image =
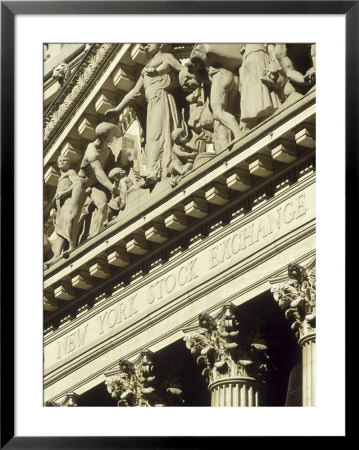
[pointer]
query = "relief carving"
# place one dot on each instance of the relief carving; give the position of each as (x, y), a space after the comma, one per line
(61, 73)
(183, 111)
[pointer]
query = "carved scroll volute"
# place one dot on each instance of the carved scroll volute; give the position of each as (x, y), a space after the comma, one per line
(221, 352)
(296, 296)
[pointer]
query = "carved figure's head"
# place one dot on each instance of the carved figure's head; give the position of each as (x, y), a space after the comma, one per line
(179, 136)
(61, 73)
(105, 130)
(116, 174)
(188, 81)
(152, 49)
(63, 162)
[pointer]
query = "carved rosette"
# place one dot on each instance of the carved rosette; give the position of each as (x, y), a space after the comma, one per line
(296, 296)
(221, 352)
(135, 384)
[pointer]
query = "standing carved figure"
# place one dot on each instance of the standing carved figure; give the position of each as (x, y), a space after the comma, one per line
(295, 83)
(258, 101)
(218, 65)
(66, 182)
(92, 179)
(158, 78)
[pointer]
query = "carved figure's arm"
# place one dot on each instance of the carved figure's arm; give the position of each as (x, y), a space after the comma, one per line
(72, 176)
(290, 72)
(169, 63)
(177, 150)
(128, 99)
(101, 175)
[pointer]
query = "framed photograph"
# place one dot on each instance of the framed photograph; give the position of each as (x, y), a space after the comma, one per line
(172, 209)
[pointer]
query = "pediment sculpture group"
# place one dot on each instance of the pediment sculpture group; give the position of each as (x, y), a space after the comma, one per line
(207, 102)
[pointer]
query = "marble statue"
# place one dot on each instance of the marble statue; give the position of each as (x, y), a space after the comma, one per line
(158, 78)
(259, 99)
(122, 183)
(61, 73)
(198, 116)
(182, 156)
(295, 84)
(92, 180)
(63, 203)
(219, 64)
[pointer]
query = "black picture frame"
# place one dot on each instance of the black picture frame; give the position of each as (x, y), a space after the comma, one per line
(9, 10)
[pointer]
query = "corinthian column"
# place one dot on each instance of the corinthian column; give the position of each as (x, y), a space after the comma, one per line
(233, 366)
(295, 295)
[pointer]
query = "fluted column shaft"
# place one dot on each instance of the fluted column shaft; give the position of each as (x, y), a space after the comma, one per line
(235, 391)
(308, 370)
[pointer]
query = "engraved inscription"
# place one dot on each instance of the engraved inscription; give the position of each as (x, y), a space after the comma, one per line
(72, 341)
(117, 314)
(257, 230)
(166, 285)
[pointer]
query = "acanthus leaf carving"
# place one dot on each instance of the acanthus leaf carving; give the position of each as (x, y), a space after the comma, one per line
(136, 384)
(296, 296)
(219, 350)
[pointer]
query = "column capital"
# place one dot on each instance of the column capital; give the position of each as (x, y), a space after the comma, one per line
(222, 352)
(137, 383)
(296, 296)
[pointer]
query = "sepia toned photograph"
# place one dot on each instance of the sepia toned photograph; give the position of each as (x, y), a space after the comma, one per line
(179, 224)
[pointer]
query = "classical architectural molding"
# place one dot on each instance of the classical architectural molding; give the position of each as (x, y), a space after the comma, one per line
(61, 107)
(71, 399)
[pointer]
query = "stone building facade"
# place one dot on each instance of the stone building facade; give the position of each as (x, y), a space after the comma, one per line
(179, 225)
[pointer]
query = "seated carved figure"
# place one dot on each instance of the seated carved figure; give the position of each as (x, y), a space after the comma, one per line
(182, 156)
(198, 116)
(118, 202)
(218, 65)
